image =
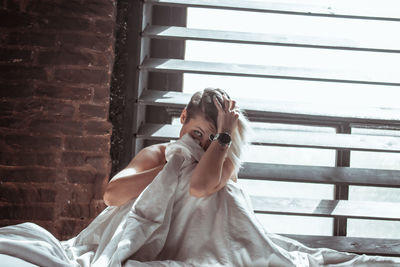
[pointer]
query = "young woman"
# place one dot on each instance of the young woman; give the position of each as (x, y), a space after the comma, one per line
(208, 113)
(177, 204)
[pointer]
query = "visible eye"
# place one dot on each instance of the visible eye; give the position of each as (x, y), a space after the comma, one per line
(197, 133)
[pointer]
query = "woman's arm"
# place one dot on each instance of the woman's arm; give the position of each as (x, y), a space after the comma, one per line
(131, 181)
(214, 168)
(212, 172)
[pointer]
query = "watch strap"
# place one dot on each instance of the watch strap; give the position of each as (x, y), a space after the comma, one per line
(224, 139)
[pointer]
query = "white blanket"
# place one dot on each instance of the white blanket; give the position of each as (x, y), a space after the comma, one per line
(165, 226)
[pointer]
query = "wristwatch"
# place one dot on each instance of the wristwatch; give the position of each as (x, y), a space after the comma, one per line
(224, 139)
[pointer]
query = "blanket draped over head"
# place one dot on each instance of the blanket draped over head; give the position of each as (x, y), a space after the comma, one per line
(166, 226)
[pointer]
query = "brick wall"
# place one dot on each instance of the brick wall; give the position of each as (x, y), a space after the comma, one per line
(56, 60)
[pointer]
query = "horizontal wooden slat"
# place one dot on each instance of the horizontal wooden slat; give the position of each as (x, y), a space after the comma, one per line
(330, 9)
(325, 175)
(326, 208)
(182, 33)
(371, 246)
(281, 72)
(328, 141)
(292, 139)
(266, 108)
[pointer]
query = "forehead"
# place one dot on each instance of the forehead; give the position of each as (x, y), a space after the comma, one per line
(200, 121)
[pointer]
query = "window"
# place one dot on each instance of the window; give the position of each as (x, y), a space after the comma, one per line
(320, 84)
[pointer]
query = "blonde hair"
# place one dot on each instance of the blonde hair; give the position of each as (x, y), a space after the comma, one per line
(240, 140)
(202, 103)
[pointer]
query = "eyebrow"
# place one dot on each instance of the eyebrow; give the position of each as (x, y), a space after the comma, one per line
(201, 130)
(212, 129)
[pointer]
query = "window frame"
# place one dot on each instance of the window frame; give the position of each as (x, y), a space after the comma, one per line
(142, 16)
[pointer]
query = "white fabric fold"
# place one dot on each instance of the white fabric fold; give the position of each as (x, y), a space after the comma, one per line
(166, 226)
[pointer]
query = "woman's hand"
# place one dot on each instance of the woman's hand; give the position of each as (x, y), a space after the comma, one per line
(227, 115)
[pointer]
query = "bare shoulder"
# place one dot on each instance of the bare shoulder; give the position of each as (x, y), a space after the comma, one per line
(158, 150)
(149, 157)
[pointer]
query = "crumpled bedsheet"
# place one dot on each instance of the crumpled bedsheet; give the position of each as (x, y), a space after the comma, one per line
(166, 226)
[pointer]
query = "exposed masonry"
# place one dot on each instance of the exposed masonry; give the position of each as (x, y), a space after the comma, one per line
(56, 59)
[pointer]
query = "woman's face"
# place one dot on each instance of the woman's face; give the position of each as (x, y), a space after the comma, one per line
(199, 128)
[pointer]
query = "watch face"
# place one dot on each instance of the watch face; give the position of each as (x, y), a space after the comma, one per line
(224, 138)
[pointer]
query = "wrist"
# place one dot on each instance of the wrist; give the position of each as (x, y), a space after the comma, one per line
(225, 130)
(223, 138)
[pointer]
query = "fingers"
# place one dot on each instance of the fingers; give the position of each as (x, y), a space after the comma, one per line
(232, 105)
(217, 104)
(228, 105)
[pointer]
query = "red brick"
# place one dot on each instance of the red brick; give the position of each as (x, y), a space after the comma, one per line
(81, 176)
(17, 159)
(73, 8)
(32, 143)
(74, 210)
(15, 56)
(96, 206)
(13, 5)
(31, 39)
(62, 23)
(88, 111)
(28, 174)
(59, 110)
(105, 26)
(28, 159)
(48, 8)
(15, 19)
(94, 42)
(26, 212)
(64, 92)
(82, 193)
(6, 107)
(98, 127)
(47, 108)
(99, 8)
(46, 159)
(56, 128)
(73, 159)
(9, 122)
(18, 73)
(99, 163)
(72, 57)
(99, 186)
(101, 95)
(82, 76)
(16, 90)
(93, 144)
(24, 193)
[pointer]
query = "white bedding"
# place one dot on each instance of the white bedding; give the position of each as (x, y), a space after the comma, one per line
(165, 226)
